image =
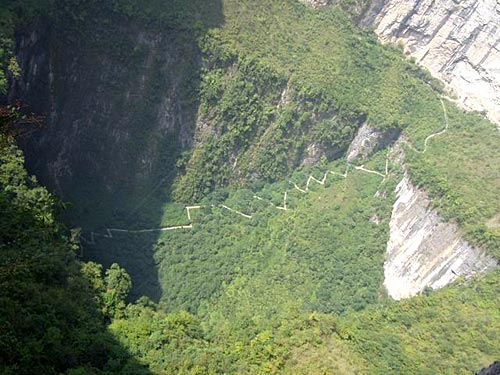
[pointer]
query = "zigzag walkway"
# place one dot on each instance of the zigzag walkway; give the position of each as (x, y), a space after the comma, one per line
(108, 232)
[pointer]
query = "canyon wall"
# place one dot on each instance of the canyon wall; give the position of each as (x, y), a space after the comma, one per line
(118, 104)
(457, 41)
(115, 122)
(423, 249)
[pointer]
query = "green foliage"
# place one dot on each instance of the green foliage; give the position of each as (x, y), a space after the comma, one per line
(295, 292)
(449, 331)
(8, 63)
(111, 290)
(169, 343)
(118, 284)
(326, 240)
(14, 13)
(49, 322)
(460, 172)
(237, 109)
(274, 86)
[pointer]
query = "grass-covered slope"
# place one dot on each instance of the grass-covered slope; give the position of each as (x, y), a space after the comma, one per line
(452, 331)
(332, 76)
(281, 78)
(460, 171)
(325, 240)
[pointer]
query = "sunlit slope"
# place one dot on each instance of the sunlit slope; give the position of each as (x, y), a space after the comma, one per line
(326, 248)
(461, 172)
(331, 69)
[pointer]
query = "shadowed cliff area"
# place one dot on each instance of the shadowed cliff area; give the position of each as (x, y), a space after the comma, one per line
(53, 309)
(117, 82)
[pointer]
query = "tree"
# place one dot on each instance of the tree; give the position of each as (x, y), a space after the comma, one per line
(118, 284)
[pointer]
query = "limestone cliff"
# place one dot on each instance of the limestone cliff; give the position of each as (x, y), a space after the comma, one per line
(458, 41)
(423, 250)
(368, 140)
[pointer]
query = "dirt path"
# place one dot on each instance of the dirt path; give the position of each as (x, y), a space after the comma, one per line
(108, 232)
(426, 141)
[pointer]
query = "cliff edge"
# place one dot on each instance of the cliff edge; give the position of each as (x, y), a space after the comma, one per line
(459, 42)
(423, 249)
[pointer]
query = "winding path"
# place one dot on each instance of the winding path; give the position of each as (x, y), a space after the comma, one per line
(108, 232)
(446, 122)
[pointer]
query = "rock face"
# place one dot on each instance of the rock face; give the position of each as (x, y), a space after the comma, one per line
(116, 122)
(117, 118)
(369, 140)
(424, 250)
(458, 41)
(317, 3)
(493, 369)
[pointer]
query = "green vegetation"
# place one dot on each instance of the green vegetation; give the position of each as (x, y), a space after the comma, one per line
(50, 322)
(275, 85)
(460, 171)
(326, 240)
(451, 331)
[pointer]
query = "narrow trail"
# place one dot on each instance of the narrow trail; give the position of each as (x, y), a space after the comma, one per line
(108, 232)
(344, 175)
(426, 141)
(362, 168)
(188, 210)
(284, 207)
(236, 211)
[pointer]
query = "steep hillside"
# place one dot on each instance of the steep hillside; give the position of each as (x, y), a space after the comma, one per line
(50, 318)
(119, 99)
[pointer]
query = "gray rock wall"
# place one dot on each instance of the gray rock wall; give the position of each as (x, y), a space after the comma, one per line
(369, 140)
(458, 41)
(423, 249)
(118, 113)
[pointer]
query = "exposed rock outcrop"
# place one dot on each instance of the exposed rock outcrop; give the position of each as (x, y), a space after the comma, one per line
(116, 121)
(312, 155)
(424, 250)
(369, 140)
(493, 369)
(458, 41)
(317, 3)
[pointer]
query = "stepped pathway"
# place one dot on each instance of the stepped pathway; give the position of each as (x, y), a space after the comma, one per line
(236, 211)
(284, 207)
(108, 232)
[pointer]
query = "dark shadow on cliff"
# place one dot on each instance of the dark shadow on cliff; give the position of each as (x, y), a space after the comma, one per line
(118, 85)
(50, 317)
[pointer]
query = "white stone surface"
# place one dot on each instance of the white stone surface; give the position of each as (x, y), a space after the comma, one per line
(458, 41)
(316, 3)
(423, 250)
